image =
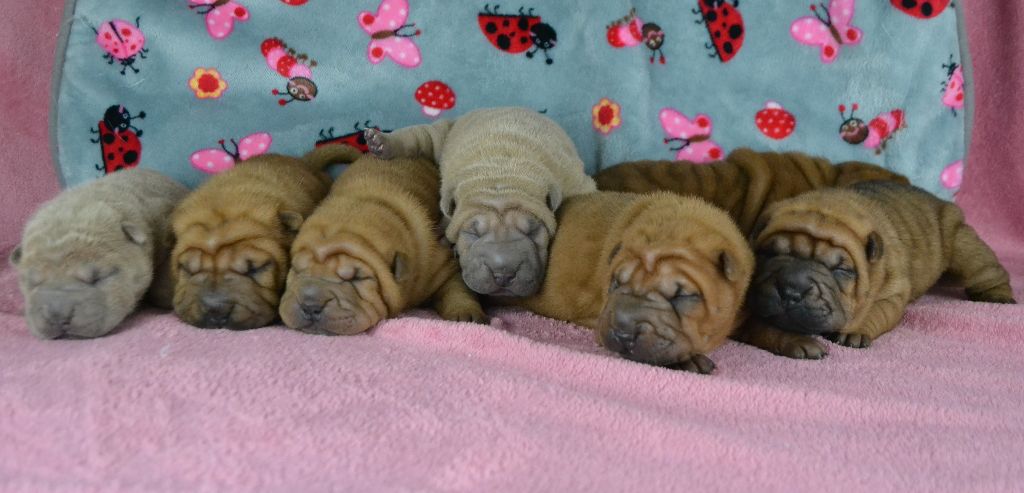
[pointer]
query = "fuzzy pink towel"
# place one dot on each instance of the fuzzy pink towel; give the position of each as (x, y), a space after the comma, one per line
(525, 405)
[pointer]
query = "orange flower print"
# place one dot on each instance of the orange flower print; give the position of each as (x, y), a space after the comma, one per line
(207, 83)
(606, 116)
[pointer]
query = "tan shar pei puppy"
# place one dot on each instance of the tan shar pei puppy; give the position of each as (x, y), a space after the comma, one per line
(234, 233)
(659, 277)
(744, 183)
(844, 263)
(374, 249)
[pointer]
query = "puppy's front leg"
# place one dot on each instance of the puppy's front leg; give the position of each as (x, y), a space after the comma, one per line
(882, 316)
(454, 301)
(760, 334)
(409, 142)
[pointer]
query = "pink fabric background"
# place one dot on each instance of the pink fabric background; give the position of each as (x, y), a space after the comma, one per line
(527, 404)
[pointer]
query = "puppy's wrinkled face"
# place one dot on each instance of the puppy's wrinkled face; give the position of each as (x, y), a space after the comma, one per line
(82, 289)
(803, 284)
(503, 251)
(235, 286)
(657, 304)
(336, 295)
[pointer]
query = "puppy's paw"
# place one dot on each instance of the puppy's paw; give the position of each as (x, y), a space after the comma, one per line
(1002, 296)
(377, 142)
(853, 340)
(467, 312)
(697, 364)
(799, 346)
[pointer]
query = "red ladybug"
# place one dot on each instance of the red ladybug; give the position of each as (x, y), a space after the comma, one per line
(516, 33)
(922, 9)
(354, 139)
(725, 26)
(120, 147)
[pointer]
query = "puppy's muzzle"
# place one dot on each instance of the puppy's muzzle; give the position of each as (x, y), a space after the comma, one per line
(799, 296)
(217, 309)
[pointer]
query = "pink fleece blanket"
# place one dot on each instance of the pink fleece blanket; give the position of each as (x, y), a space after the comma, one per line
(528, 403)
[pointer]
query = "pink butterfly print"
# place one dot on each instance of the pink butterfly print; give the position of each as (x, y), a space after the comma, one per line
(389, 34)
(829, 28)
(220, 15)
(695, 136)
(953, 94)
(122, 42)
(215, 161)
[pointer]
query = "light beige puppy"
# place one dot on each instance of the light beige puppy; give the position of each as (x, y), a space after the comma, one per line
(234, 233)
(504, 173)
(373, 249)
(88, 256)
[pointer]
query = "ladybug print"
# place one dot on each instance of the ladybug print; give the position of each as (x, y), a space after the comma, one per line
(953, 86)
(774, 121)
(725, 27)
(294, 3)
(876, 133)
(122, 42)
(922, 9)
(355, 139)
(631, 31)
(518, 33)
(120, 147)
(297, 68)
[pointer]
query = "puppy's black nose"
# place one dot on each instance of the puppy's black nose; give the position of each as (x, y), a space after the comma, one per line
(217, 309)
(626, 328)
(311, 310)
(504, 278)
(57, 315)
(794, 284)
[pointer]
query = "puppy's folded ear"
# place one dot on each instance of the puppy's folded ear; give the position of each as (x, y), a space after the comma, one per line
(874, 248)
(135, 233)
(759, 225)
(291, 221)
(15, 257)
(615, 251)
(399, 266)
(727, 266)
(554, 198)
(447, 203)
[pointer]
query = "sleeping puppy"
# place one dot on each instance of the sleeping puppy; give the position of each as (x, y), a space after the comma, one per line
(845, 263)
(88, 256)
(234, 233)
(373, 249)
(504, 172)
(744, 183)
(659, 277)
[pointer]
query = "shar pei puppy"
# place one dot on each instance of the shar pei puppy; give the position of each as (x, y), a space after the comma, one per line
(844, 263)
(660, 278)
(234, 233)
(372, 249)
(745, 182)
(504, 173)
(89, 256)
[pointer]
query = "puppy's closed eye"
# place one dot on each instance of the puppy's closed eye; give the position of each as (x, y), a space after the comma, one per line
(252, 269)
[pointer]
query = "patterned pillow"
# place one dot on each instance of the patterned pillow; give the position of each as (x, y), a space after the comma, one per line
(191, 86)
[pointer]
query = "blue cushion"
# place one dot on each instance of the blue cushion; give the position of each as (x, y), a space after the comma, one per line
(162, 83)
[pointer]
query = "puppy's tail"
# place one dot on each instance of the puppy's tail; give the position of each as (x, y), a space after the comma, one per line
(324, 156)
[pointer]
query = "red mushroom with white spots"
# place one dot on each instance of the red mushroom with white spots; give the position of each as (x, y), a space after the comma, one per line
(435, 96)
(774, 121)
